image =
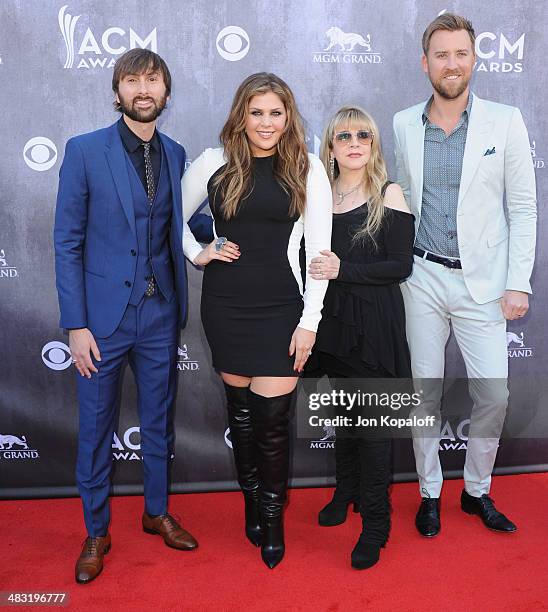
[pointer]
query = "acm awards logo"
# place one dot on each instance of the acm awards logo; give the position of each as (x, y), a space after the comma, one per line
(16, 447)
(6, 271)
(454, 439)
(515, 343)
(99, 50)
(346, 48)
(497, 53)
(127, 447)
(184, 363)
(538, 161)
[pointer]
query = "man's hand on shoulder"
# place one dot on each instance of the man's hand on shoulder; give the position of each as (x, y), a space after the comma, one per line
(82, 345)
(515, 304)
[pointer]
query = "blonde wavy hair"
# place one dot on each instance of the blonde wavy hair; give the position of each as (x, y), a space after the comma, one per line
(374, 172)
(292, 164)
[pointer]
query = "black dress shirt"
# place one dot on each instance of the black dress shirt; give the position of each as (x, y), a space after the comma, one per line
(133, 146)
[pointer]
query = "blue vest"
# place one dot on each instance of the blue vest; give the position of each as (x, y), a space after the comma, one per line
(152, 224)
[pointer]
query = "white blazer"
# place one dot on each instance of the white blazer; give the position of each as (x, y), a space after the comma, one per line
(497, 251)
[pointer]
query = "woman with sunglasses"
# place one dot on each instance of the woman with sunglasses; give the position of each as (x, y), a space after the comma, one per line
(362, 331)
(265, 192)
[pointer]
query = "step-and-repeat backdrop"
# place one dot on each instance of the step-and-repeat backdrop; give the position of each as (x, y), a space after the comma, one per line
(56, 63)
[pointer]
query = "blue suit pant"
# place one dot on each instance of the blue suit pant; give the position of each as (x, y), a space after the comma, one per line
(147, 337)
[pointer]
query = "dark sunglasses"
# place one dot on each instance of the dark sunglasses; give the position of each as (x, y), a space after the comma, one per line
(364, 137)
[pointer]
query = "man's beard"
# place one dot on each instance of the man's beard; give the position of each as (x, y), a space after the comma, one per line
(143, 115)
(448, 91)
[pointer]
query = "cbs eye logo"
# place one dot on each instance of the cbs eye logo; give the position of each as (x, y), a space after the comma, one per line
(228, 440)
(232, 43)
(56, 355)
(40, 153)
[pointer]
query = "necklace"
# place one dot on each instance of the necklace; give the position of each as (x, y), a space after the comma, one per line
(343, 194)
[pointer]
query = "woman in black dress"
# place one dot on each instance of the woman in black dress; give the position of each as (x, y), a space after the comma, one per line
(362, 331)
(265, 192)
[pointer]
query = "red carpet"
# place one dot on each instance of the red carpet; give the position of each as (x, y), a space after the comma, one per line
(466, 567)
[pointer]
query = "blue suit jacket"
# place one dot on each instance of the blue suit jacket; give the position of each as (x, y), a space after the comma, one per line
(94, 235)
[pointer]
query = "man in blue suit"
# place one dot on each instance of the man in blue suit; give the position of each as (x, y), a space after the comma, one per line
(121, 281)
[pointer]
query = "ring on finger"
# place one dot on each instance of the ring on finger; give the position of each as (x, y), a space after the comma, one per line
(220, 243)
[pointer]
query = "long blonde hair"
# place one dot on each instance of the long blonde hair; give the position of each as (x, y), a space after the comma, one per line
(374, 172)
(291, 167)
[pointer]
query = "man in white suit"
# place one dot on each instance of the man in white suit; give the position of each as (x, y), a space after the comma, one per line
(457, 157)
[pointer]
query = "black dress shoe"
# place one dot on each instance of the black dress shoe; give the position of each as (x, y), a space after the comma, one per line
(485, 508)
(427, 520)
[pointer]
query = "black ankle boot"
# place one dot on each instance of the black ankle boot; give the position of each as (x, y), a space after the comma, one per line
(334, 513)
(243, 446)
(270, 416)
(365, 554)
(347, 471)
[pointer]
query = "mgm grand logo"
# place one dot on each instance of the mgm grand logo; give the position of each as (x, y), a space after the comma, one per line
(516, 345)
(184, 363)
(14, 447)
(328, 441)
(346, 48)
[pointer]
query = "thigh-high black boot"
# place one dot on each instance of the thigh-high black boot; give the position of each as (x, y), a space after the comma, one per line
(243, 445)
(270, 417)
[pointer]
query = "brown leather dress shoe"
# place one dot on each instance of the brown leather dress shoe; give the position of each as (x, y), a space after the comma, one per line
(166, 526)
(90, 561)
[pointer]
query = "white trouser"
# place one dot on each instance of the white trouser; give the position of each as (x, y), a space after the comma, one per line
(435, 298)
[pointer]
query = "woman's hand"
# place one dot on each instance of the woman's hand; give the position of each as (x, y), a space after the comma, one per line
(326, 267)
(301, 345)
(223, 251)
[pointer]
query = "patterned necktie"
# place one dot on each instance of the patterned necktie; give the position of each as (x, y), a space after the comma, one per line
(149, 173)
(151, 284)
